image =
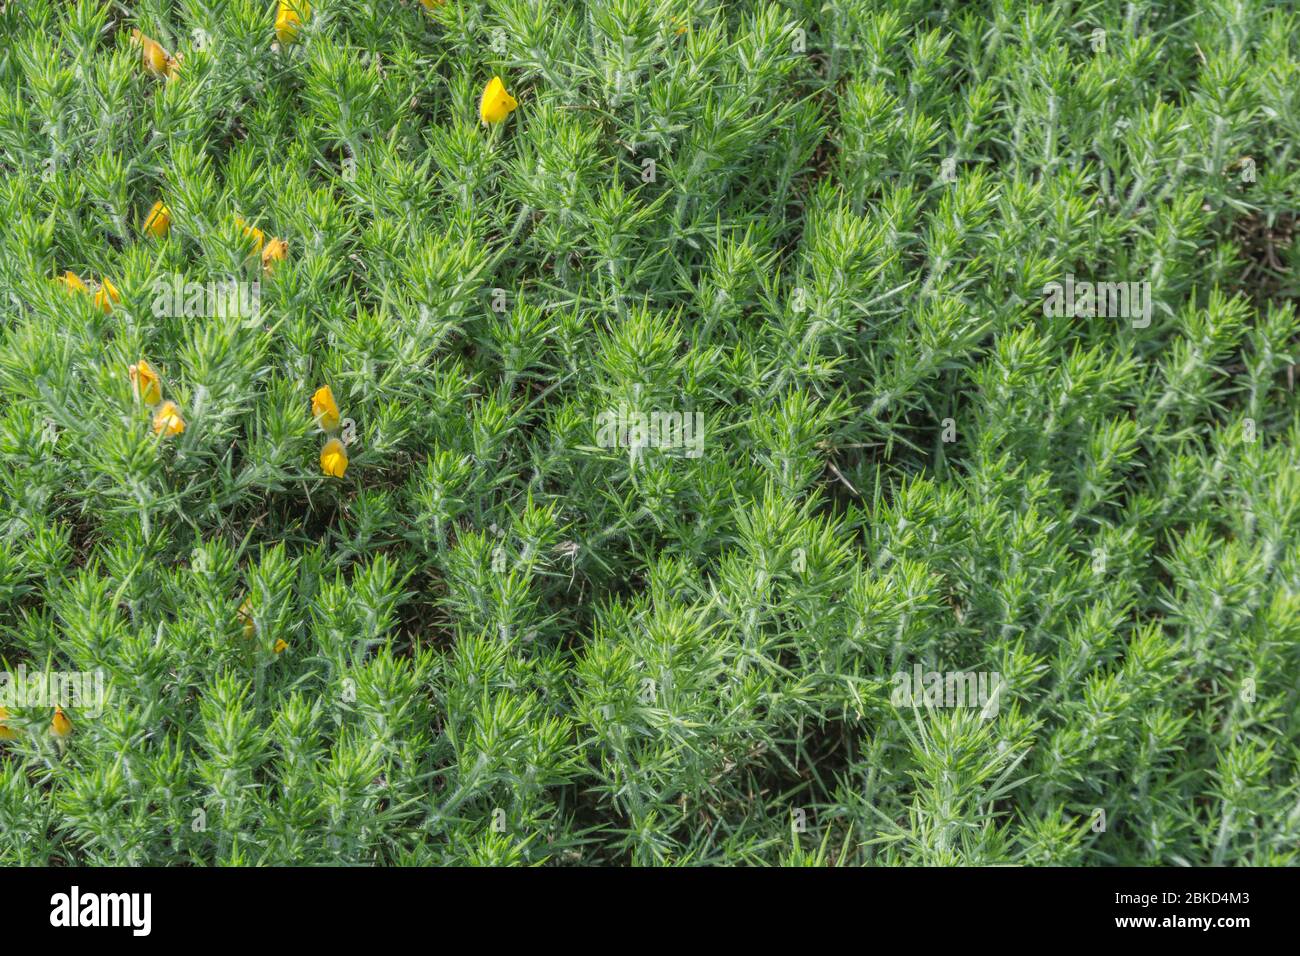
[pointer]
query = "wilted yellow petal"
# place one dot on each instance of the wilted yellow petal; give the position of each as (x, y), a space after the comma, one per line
(334, 458)
(167, 420)
(153, 57)
(496, 104)
(324, 409)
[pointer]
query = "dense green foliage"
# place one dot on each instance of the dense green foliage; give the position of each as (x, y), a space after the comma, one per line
(827, 229)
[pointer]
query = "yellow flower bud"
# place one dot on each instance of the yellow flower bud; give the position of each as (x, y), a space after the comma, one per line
(291, 15)
(60, 726)
(496, 103)
(106, 296)
(7, 732)
(167, 420)
(276, 250)
(280, 645)
(324, 409)
(159, 220)
(334, 458)
(145, 383)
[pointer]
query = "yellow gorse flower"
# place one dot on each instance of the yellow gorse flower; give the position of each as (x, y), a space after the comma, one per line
(252, 232)
(325, 412)
(145, 383)
(324, 409)
(334, 458)
(60, 726)
(275, 251)
(167, 420)
(272, 250)
(496, 104)
(280, 645)
(289, 18)
(73, 282)
(159, 220)
(154, 58)
(7, 732)
(430, 4)
(106, 296)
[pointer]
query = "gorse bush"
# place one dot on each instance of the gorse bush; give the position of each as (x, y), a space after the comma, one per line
(594, 485)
